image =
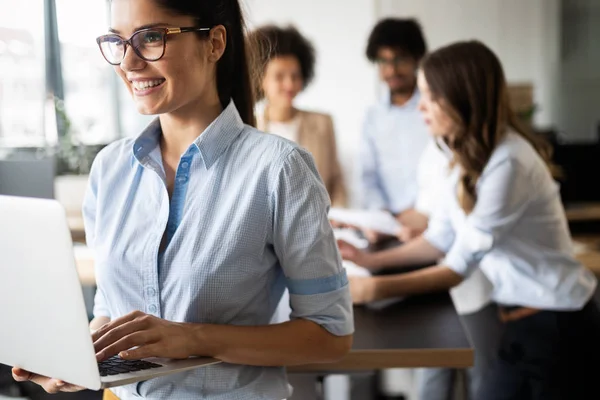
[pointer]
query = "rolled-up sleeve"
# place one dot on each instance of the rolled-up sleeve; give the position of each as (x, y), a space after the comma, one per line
(305, 246)
(503, 196)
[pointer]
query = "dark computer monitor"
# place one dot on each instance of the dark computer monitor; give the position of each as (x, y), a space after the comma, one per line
(29, 178)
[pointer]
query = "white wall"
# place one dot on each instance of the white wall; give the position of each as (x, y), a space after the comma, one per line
(524, 34)
(345, 83)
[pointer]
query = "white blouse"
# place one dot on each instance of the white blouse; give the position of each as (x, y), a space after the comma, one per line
(517, 233)
(288, 130)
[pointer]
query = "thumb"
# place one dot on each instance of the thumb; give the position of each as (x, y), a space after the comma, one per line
(20, 375)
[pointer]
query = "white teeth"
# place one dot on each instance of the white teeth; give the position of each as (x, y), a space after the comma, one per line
(142, 85)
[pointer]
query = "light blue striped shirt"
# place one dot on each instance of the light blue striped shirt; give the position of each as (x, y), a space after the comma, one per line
(247, 218)
(393, 139)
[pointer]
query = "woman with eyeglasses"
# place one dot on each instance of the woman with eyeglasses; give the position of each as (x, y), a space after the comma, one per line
(287, 61)
(200, 223)
(501, 213)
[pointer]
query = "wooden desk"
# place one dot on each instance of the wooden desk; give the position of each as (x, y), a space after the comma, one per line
(422, 331)
(85, 269)
(587, 251)
(582, 212)
(75, 222)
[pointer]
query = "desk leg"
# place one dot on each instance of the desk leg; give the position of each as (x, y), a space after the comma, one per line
(306, 386)
(320, 387)
(336, 387)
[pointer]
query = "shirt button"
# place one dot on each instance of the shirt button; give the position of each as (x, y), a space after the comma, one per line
(184, 165)
(151, 292)
(152, 308)
(182, 179)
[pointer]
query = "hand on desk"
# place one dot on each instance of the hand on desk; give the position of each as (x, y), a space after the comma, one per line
(357, 256)
(50, 385)
(406, 234)
(369, 234)
(362, 289)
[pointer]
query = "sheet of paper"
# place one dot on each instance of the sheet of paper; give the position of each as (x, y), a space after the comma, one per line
(377, 220)
(352, 237)
(355, 270)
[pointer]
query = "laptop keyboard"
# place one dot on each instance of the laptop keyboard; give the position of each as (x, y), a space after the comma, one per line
(116, 365)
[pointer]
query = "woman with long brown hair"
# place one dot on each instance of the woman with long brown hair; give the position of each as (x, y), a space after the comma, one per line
(503, 214)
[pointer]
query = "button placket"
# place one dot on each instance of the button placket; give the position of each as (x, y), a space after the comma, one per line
(151, 284)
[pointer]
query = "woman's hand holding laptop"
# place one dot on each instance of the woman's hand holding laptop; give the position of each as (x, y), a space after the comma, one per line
(50, 385)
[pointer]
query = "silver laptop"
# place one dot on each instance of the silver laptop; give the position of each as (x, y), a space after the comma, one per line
(44, 325)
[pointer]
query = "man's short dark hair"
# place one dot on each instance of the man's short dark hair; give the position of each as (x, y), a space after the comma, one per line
(272, 41)
(403, 34)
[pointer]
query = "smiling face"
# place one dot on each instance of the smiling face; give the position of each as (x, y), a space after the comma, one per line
(282, 80)
(183, 77)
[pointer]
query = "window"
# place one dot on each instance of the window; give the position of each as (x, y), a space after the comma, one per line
(22, 80)
(90, 84)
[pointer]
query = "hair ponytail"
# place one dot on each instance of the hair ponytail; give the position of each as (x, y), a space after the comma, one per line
(235, 68)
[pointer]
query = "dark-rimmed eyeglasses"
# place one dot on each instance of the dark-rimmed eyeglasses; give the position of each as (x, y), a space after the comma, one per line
(396, 62)
(149, 44)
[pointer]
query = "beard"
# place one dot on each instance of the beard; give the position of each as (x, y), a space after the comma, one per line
(399, 84)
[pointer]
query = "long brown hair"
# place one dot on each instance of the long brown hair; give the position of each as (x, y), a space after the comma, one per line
(468, 80)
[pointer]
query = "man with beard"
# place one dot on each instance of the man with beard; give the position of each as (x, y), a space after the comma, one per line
(394, 134)
(394, 138)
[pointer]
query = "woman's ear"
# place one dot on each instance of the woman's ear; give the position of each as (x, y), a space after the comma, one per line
(217, 42)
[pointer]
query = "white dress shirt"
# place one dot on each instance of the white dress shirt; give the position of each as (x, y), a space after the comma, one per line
(475, 292)
(517, 233)
(431, 174)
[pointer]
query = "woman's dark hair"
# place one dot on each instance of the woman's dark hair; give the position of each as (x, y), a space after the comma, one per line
(272, 41)
(467, 80)
(403, 34)
(234, 67)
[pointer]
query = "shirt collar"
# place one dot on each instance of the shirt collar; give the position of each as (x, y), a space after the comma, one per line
(219, 134)
(211, 143)
(411, 104)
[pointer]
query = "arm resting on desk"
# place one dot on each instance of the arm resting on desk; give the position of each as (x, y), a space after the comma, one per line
(427, 280)
(416, 252)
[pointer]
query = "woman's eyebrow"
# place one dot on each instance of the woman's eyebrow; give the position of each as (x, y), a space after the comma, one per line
(146, 26)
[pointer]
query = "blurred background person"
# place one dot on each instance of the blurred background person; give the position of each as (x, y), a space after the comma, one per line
(287, 63)
(394, 134)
